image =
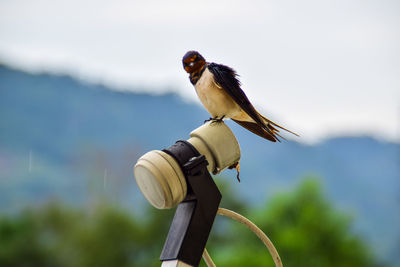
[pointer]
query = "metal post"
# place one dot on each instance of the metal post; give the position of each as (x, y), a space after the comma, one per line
(195, 216)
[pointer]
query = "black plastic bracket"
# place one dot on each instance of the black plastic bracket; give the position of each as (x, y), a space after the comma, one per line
(194, 217)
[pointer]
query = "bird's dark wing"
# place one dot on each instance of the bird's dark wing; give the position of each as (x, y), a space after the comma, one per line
(226, 77)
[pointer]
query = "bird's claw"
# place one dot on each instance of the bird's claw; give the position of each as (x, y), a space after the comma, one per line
(210, 119)
(215, 119)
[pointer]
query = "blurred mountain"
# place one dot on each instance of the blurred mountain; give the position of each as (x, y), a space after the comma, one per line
(61, 138)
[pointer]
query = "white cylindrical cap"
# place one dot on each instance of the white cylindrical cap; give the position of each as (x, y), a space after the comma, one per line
(160, 177)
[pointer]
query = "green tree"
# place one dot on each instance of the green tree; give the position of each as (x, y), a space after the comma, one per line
(19, 243)
(305, 229)
(58, 236)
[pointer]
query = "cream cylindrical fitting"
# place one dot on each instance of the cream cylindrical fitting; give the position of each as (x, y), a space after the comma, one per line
(218, 144)
(160, 177)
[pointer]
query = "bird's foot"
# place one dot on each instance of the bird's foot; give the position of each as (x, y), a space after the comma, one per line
(210, 119)
(215, 119)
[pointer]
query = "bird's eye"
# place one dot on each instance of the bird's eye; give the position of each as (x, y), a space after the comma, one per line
(191, 64)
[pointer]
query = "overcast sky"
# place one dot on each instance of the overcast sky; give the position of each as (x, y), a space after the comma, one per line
(321, 68)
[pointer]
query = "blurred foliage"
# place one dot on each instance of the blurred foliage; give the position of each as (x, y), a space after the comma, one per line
(58, 236)
(304, 227)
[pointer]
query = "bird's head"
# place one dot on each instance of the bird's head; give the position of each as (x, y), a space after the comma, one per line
(192, 61)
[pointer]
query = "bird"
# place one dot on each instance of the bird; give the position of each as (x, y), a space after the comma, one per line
(220, 92)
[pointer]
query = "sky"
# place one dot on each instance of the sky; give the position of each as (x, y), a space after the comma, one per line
(321, 68)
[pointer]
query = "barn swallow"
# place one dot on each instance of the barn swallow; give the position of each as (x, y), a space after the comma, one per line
(219, 91)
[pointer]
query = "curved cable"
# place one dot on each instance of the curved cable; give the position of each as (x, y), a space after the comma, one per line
(249, 224)
(207, 259)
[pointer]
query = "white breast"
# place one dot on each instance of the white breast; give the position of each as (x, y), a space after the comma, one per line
(214, 98)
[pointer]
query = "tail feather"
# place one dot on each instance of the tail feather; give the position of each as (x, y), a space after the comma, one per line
(271, 124)
(267, 133)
